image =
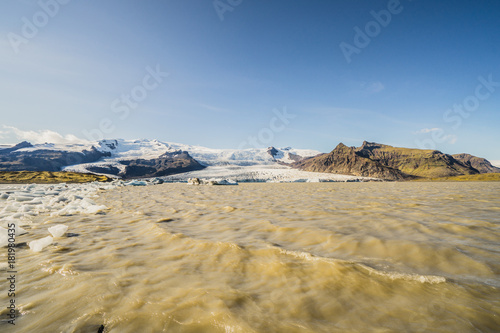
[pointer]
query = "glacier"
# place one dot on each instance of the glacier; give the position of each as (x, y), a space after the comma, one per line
(241, 165)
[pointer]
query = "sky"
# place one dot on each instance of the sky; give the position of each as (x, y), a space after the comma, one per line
(253, 73)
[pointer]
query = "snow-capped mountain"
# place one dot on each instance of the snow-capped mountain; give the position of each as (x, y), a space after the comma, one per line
(126, 150)
(144, 157)
(148, 149)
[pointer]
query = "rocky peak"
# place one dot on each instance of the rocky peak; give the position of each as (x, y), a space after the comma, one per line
(480, 164)
(24, 144)
(345, 160)
(272, 151)
(111, 144)
(342, 150)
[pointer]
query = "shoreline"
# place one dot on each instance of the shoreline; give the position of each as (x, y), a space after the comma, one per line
(49, 177)
(57, 177)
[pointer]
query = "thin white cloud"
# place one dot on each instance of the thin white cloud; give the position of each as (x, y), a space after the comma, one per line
(428, 130)
(450, 138)
(42, 136)
(214, 108)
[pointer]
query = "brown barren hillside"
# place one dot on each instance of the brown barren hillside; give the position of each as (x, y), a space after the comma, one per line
(344, 160)
(416, 162)
(480, 164)
(395, 163)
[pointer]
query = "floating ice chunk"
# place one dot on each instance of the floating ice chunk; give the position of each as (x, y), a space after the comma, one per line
(4, 196)
(194, 181)
(58, 230)
(4, 238)
(136, 183)
(52, 193)
(156, 181)
(39, 192)
(95, 209)
(58, 199)
(86, 202)
(226, 182)
(11, 208)
(79, 207)
(20, 231)
(213, 181)
(8, 224)
(23, 198)
(73, 197)
(39, 245)
(35, 201)
(24, 209)
(66, 211)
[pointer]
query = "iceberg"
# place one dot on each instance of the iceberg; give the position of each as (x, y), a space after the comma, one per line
(39, 245)
(213, 181)
(4, 238)
(58, 230)
(136, 183)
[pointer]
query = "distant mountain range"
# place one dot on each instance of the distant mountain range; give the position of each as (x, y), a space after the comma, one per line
(394, 163)
(153, 158)
(27, 157)
(138, 158)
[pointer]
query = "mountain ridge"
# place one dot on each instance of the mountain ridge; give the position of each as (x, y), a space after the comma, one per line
(410, 163)
(345, 160)
(139, 158)
(154, 158)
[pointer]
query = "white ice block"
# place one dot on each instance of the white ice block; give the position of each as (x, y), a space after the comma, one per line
(40, 244)
(58, 230)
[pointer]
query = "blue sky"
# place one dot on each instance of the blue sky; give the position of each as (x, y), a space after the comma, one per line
(427, 77)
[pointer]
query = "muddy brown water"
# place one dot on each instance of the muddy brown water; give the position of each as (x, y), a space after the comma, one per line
(300, 257)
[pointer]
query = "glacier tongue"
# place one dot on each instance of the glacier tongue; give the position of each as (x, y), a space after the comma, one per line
(126, 150)
(261, 173)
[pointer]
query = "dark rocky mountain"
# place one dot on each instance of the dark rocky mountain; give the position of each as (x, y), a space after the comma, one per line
(166, 164)
(12, 159)
(24, 144)
(480, 164)
(416, 162)
(272, 151)
(344, 160)
(15, 159)
(394, 163)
